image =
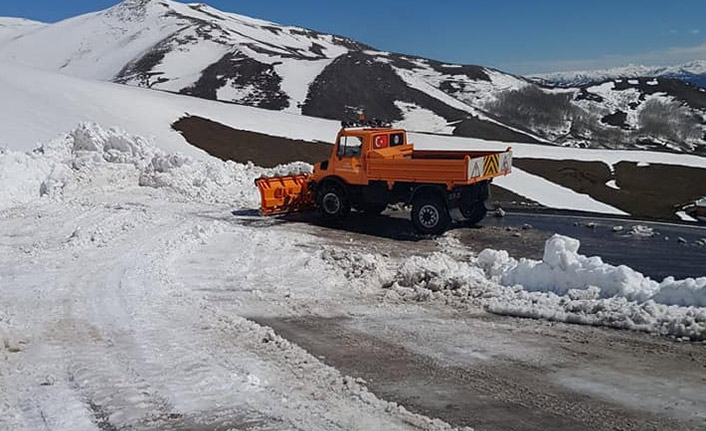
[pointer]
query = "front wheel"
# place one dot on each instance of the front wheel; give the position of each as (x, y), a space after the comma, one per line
(333, 203)
(430, 216)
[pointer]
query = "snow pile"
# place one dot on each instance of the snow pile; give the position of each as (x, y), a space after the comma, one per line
(213, 180)
(565, 286)
(21, 176)
(353, 265)
(584, 307)
(98, 157)
(438, 276)
(438, 272)
(563, 269)
(685, 293)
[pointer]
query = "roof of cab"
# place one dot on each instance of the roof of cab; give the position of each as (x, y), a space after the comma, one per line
(372, 130)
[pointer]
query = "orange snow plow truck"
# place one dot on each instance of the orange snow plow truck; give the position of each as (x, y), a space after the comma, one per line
(371, 167)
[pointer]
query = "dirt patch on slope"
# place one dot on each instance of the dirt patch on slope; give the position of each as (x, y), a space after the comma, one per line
(242, 146)
(644, 191)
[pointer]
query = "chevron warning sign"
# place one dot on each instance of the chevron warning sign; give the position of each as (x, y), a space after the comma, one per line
(475, 168)
(491, 164)
(506, 162)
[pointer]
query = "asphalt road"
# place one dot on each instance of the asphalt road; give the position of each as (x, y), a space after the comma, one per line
(496, 373)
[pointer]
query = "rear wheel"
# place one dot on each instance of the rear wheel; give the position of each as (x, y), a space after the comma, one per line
(473, 202)
(333, 203)
(430, 216)
(476, 214)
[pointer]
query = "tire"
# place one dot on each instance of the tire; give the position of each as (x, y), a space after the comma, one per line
(371, 209)
(473, 203)
(333, 202)
(477, 214)
(430, 216)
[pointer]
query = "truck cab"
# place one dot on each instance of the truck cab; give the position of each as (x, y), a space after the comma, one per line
(348, 159)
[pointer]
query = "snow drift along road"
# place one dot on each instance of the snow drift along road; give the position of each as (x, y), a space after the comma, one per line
(55, 166)
(565, 286)
(563, 270)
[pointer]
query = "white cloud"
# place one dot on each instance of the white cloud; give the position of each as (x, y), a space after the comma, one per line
(666, 57)
(695, 31)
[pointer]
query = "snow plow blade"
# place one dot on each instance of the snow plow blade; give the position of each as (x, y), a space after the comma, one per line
(282, 195)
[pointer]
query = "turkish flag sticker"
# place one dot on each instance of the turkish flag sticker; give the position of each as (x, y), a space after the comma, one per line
(381, 141)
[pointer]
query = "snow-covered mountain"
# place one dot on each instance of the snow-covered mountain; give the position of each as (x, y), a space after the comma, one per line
(193, 49)
(11, 28)
(197, 50)
(693, 73)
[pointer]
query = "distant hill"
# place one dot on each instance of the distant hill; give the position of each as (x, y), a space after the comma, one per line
(693, 73)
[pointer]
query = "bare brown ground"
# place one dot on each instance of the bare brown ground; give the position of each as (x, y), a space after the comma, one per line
(242, 146)
(649, 192)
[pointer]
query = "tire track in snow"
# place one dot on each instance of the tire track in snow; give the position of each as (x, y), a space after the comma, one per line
(111, 386)
(126, 387)
(131, 345)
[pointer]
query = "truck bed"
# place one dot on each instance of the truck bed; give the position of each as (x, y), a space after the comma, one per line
(452, 168)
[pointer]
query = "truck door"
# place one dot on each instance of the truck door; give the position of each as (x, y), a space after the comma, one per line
(349, 165)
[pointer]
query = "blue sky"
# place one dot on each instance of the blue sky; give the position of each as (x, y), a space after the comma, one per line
(522, 36)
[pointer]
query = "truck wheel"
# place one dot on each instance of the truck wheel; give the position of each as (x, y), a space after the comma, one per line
(333, 202)
(472, 202)
(476, 214)
(430, 215)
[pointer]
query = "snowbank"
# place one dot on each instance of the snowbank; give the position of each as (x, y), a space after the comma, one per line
(578, 307)
(21, 176)
(686, 293)
(565, 286)
(563, 269)
(94, 156)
